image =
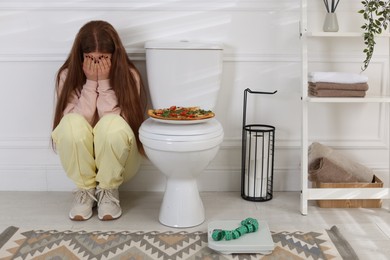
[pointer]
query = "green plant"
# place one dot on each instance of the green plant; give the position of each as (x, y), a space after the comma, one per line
(376, 14)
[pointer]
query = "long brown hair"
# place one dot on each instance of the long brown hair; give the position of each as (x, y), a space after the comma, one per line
(100, 36)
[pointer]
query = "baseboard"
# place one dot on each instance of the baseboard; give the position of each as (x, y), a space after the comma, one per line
(216, 178)
(53, 178)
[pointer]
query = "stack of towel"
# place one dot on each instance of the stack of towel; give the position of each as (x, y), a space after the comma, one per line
(337, 84)
(329, 166)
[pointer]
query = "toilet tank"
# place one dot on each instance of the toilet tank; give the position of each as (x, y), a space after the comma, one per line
(184, 73)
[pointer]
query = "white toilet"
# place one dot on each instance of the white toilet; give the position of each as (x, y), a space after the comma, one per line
(182, 74)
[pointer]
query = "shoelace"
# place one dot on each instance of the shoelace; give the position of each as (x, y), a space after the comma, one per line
(106, 196)
(82, 195)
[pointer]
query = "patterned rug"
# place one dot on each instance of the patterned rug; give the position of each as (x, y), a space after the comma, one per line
(55, 245)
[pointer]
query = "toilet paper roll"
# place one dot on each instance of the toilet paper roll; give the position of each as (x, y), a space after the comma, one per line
(259, 145)
(254, 147)
(255, 187)
(255, 182)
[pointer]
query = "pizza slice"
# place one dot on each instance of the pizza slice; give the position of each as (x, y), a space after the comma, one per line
(180, 113)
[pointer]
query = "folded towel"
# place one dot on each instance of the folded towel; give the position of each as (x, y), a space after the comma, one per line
(339, 86)
(324, 170)
(360, 172)
(336, 93)
(337, 77)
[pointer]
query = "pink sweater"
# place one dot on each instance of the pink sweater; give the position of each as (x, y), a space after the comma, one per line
(95, 95)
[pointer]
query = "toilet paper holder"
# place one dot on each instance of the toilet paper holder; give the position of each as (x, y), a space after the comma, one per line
(257, 162)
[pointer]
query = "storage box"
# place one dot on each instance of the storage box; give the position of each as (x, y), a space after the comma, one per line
(360, 203)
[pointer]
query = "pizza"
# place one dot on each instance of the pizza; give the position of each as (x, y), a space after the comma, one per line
(180, 113)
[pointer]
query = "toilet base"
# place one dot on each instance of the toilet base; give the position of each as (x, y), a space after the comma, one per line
(182, 206)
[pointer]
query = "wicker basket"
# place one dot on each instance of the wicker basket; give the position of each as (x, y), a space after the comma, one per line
(357, 203)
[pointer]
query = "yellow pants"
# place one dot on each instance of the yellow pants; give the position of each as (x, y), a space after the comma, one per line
(105, 155)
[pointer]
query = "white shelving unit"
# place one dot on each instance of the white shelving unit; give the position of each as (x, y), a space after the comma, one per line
(328, 193)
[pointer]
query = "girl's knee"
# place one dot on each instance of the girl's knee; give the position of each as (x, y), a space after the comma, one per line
(72, 127)
(117, 137)
(112, 126)
(74, 120)
(114, 131)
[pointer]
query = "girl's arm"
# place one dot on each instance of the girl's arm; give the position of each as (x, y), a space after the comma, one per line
(83, 103)
(107, 102)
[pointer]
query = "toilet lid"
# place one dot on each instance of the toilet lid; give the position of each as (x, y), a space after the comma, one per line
(152, 129)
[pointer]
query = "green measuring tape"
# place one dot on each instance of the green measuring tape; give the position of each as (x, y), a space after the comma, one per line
(248, 225)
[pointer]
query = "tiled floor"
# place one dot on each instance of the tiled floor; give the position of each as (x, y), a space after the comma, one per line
(367, 230)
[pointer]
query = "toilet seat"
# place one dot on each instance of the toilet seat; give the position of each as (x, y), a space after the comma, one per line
(172, 137)
(181, 133)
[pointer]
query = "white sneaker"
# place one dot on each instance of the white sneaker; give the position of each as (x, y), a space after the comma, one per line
(83, 203)
(108, 204)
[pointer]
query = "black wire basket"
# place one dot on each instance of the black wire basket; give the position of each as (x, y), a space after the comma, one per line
(257, 163)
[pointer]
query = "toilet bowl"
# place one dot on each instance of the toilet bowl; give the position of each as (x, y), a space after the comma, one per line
(181, 153)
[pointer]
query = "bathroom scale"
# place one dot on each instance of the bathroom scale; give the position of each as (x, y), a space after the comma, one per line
(259, 242)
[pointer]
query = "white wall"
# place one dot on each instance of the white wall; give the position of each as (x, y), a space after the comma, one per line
(262, 52)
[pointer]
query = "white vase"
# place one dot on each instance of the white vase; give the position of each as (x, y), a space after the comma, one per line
(330, 23)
